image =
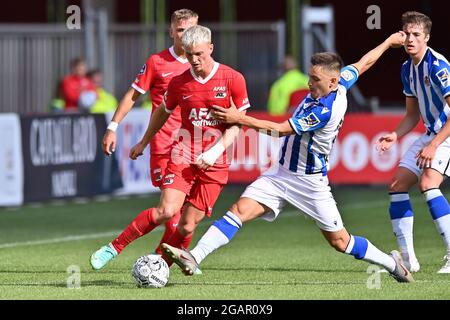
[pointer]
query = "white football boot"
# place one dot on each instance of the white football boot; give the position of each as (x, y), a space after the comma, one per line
(446, 267)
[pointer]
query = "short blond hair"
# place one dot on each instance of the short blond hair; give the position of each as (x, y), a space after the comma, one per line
(183, 14)
(196, 35)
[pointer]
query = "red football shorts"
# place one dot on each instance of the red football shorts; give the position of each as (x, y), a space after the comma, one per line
(158, 167)
(202, 188)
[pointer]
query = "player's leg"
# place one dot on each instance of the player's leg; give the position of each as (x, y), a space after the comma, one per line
(220, 233)
(312, 195)
(363, 249)
(401, 214)
(260, 197)
(400, 209)
(158, 168)
(170, 203)
(439, 209)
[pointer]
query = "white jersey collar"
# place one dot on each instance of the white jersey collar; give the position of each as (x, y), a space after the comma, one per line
(416, 65)
(210, 75)
(177, 57)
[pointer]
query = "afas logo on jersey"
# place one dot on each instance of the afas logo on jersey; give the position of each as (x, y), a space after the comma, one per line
(443, 77)
(221, 92)
(142, 71)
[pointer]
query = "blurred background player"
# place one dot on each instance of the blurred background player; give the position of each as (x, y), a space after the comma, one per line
(105, 101)
(280, 91)
(426, 85)
(198, 167)
(155, 76)
(301, 177)
(75, 84)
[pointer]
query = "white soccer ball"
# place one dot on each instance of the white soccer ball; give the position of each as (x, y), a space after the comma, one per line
(151, 271)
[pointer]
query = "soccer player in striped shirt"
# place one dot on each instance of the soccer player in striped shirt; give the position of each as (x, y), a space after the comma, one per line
(426, 85)
(301, 176)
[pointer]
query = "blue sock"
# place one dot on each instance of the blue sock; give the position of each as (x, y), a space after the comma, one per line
(229, 224)
(357, 247)
(362, 249)
(219, 234)
(402, 219)
(440, 211)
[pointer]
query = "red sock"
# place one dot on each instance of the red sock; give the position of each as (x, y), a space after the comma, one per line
(171, 226)
(178, 240)
(142, 224)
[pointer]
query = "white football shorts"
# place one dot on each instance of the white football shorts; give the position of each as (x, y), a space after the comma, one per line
(311, 194)
(440, 162)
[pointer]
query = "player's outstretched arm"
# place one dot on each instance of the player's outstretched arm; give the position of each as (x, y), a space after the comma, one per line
(125, 105)
(395, 40)
(157, 120)
(233, 116)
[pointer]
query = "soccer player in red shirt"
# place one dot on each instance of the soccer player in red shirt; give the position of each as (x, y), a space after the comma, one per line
(198, 167)
(155, 76)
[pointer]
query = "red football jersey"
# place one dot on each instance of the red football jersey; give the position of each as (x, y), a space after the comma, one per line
(155, 76)
(195, 96)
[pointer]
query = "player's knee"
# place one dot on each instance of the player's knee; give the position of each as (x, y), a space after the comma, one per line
(164, 213)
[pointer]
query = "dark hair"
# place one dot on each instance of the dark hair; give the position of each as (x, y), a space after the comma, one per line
(93, 72)
(183, 14)
(417, 18)
(328, 60)
(76, 61)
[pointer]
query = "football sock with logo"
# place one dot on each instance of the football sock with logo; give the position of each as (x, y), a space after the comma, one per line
(402, 219)
(440, 211)
(170, 227)
(141, 225)
(219, 234)
(362, 249)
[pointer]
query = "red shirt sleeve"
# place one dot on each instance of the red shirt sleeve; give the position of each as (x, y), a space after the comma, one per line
(146, 77)
(171, 97)
(239, 92)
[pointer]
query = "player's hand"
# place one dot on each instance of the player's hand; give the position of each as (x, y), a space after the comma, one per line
(227, 115)
(202, 163)
(397, 40)
(425, 156)
(385, 142)
(109, 142)
(209, 157)
(137, 150)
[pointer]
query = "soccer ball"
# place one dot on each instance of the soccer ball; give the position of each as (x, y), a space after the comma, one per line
(151, 271)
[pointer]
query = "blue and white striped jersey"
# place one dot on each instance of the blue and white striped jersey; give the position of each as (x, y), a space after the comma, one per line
(429, 82)
(316, 123)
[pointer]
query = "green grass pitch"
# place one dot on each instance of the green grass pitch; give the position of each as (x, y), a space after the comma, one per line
(286, 259)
